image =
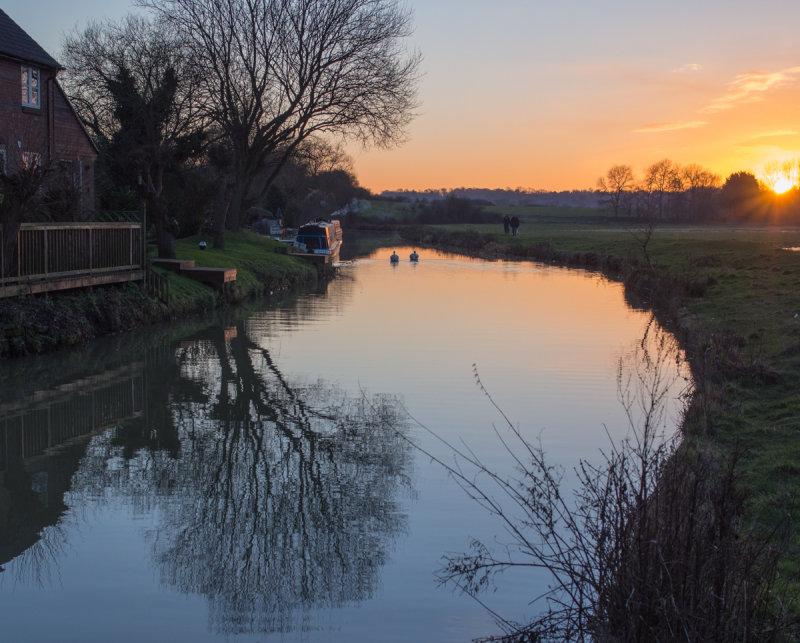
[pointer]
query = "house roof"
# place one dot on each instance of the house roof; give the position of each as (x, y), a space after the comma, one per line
(78, 119)
(15, 43)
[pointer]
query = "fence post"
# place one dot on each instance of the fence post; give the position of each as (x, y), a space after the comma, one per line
(144, 233)
(46, 262)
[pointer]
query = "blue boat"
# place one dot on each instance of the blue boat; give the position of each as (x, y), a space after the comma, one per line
(319, 240)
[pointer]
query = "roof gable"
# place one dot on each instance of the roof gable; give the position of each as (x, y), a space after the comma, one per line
(77, 118)
(15, 43)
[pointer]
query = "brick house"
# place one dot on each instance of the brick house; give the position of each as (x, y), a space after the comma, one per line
(37, 121)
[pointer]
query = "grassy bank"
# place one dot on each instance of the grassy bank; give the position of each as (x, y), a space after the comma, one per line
(730, 294)
(43, 323)
(262, 267)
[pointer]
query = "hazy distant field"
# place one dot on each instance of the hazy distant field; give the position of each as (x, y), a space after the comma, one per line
(385, 209)
(548, 213)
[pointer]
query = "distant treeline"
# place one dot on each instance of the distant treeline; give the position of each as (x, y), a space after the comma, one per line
(450, 209)
(667, 193)
(503, 197)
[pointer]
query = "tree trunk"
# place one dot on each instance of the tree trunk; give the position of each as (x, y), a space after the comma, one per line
(11, 220)
(220, 216)
(233, 221)
(166, 245)
(165, 229)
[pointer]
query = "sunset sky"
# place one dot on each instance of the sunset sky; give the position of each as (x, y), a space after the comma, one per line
(547, 95)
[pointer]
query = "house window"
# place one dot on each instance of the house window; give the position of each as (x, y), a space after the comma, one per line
(31, 96)
(31, 160)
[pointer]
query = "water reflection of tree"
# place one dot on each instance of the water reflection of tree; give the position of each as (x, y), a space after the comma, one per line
(281, 498)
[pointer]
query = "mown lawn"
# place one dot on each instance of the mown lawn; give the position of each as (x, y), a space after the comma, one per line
(261, 265)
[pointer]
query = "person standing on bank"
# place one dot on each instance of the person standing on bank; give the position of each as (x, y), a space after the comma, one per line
(515, 225)
(506, 224)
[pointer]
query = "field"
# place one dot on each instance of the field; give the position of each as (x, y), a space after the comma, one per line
(732, 295)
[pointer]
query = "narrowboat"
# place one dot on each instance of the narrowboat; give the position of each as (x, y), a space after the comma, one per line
(318, 240)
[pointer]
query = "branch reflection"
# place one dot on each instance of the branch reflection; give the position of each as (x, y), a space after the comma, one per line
(273, 498)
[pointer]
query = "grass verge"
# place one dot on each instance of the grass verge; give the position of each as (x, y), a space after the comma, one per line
(42, 323)
(732, 297)
(262, 267)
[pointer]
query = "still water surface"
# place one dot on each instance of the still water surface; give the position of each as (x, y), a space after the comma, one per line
(251, 479)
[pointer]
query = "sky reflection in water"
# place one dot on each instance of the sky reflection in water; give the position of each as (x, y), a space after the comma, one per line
(250, 478)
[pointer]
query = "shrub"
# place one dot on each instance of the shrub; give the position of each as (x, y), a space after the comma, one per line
(651, 546)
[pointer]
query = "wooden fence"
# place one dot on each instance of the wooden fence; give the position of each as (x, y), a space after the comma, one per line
(156, 285)
(57, 256)
(49, 418)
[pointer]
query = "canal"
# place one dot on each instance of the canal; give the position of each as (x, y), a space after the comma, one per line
(256, 475)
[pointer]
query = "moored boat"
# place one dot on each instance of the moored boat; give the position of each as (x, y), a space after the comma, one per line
(319, 240)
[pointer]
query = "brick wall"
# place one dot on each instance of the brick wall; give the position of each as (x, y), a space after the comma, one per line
(52, 130)
(70, 142)
(21, 129)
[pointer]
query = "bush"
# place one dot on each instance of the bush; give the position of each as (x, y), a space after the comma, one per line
(454, 210)
(651, 546)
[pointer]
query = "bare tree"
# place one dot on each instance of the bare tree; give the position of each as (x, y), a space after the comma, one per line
(773, 171)
(651, 546)
(319, 155)
(661, 179)
(275, 72)
(644, 235)
(699, 185)
(617, 181)
(21, 191)
(134, 88)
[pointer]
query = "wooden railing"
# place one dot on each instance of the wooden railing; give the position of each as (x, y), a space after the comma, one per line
(56, 256)
(156, 285)
(49, 418)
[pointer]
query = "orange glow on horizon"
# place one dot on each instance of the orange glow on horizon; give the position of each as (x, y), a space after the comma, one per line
(542, 145)
(421, 167)
(780, 177)
(783, 184)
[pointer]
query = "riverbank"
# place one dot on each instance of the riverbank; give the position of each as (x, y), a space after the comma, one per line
(43, 323)
(732, 297)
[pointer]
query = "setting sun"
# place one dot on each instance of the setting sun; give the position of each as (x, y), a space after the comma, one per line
(782, 185)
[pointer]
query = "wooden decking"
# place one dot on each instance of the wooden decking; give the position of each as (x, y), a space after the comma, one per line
(216, 277)
(176, 265)
(52, 284)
